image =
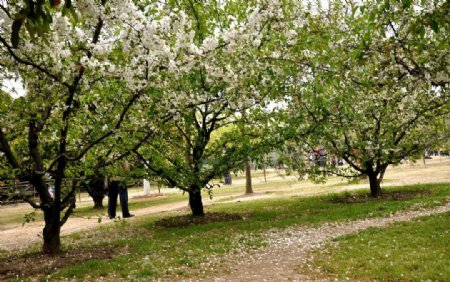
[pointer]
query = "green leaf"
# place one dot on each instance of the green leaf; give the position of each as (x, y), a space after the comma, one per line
(421, 31)
(434, 25)
(30, 29)
(21, 16)
(354, 10)
(372, 16)
(406, 4)
(74, 15)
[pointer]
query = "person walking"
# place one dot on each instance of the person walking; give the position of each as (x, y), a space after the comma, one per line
(118, 188)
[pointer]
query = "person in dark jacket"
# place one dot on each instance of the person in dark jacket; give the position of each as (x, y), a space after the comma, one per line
(118, 187)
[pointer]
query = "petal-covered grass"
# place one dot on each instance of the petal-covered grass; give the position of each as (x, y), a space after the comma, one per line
(408, 251)
(149, 250)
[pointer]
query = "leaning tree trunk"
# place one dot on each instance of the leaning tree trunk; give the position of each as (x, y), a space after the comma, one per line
(375, 188)
(195, 201)
(248, 178)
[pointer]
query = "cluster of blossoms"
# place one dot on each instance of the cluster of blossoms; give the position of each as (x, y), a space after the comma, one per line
(159, 47)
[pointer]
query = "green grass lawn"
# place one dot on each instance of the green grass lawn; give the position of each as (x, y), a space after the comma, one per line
(168, 198)
(411, 251)
(155, 252)
(18, 218)
(133, 204)
(140, 249)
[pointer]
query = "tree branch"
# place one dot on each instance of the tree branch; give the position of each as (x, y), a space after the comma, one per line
(6, 149)
(32, 64)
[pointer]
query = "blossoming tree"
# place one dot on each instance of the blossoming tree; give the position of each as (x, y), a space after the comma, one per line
(82, 80)
(372, 96)
(205, 139)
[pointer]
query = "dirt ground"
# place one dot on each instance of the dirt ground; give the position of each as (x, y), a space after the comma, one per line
(15, 236)
(283, 257)
(288, 250)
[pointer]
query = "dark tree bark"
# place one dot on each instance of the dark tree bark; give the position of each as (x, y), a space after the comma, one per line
(50, 207)
(248, 178)
(53, 208)
(375, 187)
(51, 232)
(195, 202)
(227, 178)
(375, 178)
(98, 202)
(52, 227)
(96, 189)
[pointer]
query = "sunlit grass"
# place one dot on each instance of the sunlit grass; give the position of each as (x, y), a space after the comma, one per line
(133, 204)
(409, 251)
(151, 252)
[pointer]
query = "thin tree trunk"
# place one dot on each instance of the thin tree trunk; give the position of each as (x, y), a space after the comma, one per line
(375, 188)
(195, 202)
(248, 178)
(264, 171)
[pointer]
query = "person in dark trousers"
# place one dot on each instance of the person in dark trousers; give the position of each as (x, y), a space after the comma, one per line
(118, 188)
(227, 178)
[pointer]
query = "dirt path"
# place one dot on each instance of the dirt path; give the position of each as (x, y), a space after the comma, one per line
(30, 233)
(288, 249)
(14, 236)
(20, 237)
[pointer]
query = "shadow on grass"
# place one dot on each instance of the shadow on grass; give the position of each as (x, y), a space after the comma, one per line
(33, 264)
(189, 220)
(350, 198)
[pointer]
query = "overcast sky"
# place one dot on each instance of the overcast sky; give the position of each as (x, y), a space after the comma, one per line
(13, 87)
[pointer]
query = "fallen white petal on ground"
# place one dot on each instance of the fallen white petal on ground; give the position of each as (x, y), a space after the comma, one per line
(287, 250)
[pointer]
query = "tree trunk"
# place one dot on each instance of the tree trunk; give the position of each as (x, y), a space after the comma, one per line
(52, 227)
(264, 172)
(227, 178)
(375, 188)
(248, 178)
(98, 201)
(195, 202)
(51, 232)
(96, 189)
